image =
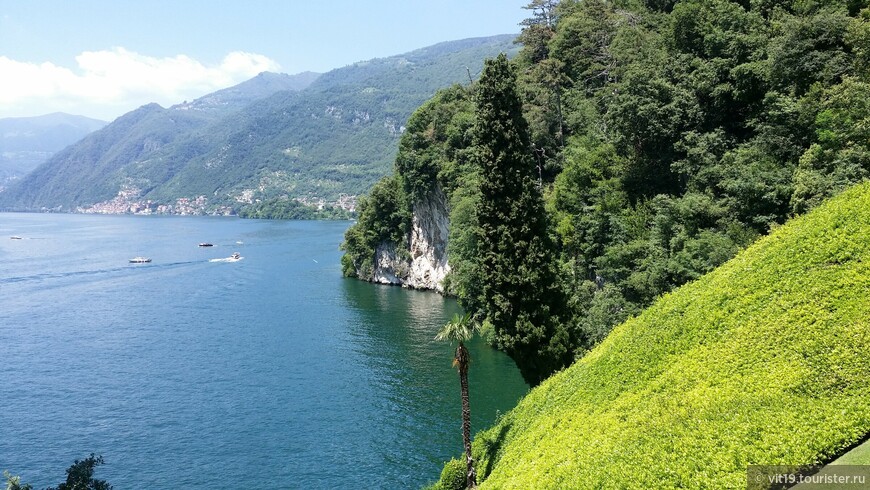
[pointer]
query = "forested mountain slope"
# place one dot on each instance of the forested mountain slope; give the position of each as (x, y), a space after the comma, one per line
(763, 361)
(115, 158)
(664, 137)
(25, 142)
(336, 136)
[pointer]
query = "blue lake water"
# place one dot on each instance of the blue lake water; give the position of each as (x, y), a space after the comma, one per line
(270, 372)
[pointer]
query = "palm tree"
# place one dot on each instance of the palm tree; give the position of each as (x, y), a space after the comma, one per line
(460, 329)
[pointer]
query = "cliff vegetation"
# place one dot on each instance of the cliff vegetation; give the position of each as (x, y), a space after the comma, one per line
(663, 137)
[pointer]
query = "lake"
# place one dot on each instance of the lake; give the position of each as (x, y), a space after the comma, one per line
(270, 372)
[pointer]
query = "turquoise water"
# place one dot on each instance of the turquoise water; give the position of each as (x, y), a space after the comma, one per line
(269, 372)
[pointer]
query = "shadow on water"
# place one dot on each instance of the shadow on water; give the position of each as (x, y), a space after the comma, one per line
(396, 329)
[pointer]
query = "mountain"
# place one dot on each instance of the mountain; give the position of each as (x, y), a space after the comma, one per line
(762, 361)
(238, 96)
(85, 173)
(26, 142)
(335, 137)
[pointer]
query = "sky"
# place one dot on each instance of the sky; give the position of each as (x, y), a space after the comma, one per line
(103, 58)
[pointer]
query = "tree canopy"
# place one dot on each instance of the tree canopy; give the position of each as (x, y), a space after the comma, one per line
(664, 137)
(520, 296)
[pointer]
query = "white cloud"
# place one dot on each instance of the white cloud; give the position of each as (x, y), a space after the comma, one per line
(108, 83)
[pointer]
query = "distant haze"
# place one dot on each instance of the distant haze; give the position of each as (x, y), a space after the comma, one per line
(26, 142)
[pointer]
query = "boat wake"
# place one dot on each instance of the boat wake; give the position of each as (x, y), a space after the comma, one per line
(235, 257)
(227, 259)
(91, 272)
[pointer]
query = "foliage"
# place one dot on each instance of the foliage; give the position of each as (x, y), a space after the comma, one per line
(665, 136)
(710, 125)
(460, 330)
(520, 295)
(462, 241)
(79, 476)
(452, 476)
(841, 154)
(384, 217)
(289, 209)
(14, 482)
(435, 142)
(432, 158)
(762, 361)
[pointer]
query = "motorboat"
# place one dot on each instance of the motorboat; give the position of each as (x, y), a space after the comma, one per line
(15, 237)
(205, 244)
(235, 257)
(140, 260)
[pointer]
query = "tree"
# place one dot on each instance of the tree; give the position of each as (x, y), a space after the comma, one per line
(14, 482)
(460, 329)
(520, 294)
(840, 156)
(79, 476)
(384, 216)
(538, 30)
(541, 85)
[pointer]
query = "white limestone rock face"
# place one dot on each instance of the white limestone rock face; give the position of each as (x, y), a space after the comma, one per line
(427, 265)
(428, 244)
(388, 267)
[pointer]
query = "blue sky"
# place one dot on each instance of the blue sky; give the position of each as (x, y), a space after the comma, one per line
(104, 58)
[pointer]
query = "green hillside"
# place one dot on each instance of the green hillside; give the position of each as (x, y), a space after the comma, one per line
(336, 137)
(118, 156)
(25, 142)
(765, 360)
(269, 139)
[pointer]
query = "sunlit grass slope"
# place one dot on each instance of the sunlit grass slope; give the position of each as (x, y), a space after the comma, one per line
(766, 360)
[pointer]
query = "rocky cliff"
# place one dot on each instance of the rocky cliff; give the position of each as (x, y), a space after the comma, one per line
(425, 267)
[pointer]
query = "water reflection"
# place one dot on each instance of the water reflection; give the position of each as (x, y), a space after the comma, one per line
(186, 371)
(416, 382)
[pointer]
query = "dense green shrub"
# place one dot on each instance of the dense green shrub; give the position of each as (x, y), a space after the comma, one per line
(452, 476)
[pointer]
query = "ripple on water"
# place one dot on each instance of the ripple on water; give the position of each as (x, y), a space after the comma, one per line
(188, 374)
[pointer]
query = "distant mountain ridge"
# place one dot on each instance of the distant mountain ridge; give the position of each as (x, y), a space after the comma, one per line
(260, 140)
(26, 142)
(261, 86)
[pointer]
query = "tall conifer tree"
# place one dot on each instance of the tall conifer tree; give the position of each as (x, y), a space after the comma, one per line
(520, 295)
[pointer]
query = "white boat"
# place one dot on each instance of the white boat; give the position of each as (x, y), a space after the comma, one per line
(140, 260)
(15, 237)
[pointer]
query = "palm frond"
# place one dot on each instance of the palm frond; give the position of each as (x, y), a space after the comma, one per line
(459, 329)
